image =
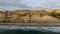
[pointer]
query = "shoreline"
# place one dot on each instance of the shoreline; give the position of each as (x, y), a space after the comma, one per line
(31, 24)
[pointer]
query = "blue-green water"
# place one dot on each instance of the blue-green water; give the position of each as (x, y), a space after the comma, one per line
(28, 30)
(19, 31)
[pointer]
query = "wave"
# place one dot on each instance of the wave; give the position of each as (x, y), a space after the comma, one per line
(26, 31)
(20, 31)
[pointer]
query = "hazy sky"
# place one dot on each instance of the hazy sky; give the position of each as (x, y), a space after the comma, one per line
(29, 4)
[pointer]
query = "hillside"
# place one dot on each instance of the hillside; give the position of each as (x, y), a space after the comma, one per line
(30, 16)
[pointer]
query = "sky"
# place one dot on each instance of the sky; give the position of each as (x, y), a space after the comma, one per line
(29, 4)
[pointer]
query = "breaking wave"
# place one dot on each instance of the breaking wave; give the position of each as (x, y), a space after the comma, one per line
(27, 30)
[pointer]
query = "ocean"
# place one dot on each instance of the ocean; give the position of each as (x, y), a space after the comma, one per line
(28, 30)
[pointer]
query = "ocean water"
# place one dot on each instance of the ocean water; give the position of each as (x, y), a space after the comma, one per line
(29, 30)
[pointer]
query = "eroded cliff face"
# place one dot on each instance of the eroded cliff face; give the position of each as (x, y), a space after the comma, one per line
(30, 16)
